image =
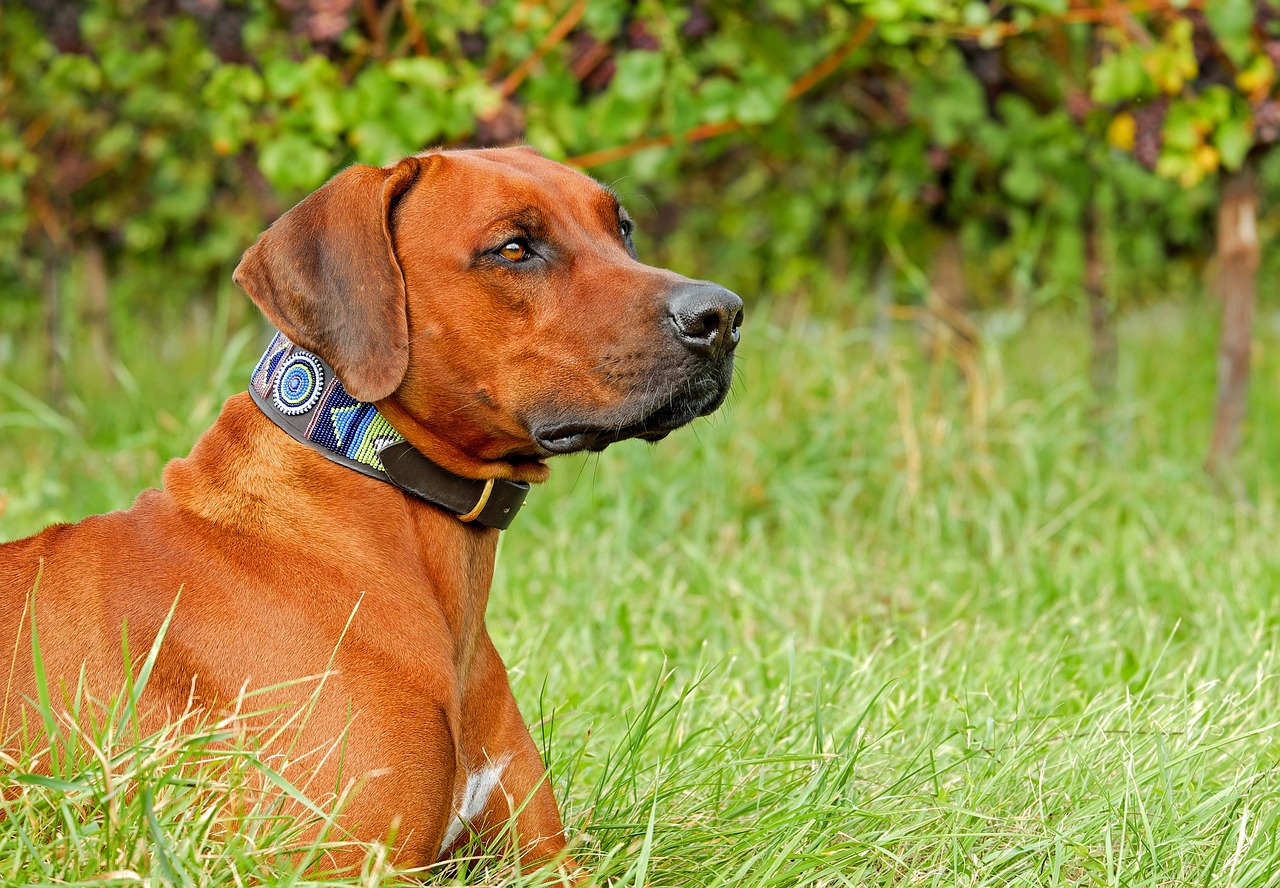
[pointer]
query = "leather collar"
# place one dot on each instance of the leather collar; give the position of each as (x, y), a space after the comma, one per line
(301, 394)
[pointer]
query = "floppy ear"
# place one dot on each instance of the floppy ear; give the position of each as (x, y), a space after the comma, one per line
(327, 276)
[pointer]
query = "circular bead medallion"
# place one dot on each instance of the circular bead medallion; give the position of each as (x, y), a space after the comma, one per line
(300, 384)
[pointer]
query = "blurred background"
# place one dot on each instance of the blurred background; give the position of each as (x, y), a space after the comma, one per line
(938, 165)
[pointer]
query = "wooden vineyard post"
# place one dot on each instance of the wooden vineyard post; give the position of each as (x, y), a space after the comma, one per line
(1103, 357)
(95, 312)
(1238, 256)
(54, 379)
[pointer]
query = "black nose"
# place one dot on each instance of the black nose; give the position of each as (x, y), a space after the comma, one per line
(706, 316)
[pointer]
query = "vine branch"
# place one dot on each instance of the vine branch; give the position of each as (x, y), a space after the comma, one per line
(802, 85)
(553, 38)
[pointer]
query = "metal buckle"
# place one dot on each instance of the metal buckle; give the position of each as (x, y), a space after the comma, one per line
(484, 501)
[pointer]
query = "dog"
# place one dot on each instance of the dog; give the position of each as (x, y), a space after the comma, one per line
(446, 324)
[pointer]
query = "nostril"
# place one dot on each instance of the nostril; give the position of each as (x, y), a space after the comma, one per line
(705, 317)
(702, 326)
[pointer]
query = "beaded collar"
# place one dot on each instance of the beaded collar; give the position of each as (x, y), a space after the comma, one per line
(301, 394)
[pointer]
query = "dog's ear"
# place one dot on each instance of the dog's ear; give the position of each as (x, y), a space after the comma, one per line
(327, 276)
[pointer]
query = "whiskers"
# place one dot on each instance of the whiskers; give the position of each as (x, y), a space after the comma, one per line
(604, 362)
(466, 406)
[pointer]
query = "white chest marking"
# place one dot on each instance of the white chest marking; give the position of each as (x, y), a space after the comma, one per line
(475, 796)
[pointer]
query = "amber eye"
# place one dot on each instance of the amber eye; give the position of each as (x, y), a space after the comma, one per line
(515, 251)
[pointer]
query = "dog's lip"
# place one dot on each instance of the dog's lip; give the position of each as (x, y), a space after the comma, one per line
(566, 439)
(578, 436)
(595, 440)
(526, 459)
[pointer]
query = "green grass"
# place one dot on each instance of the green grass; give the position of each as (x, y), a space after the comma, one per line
(850, 631)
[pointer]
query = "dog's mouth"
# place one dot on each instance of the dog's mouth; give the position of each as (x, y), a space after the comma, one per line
(571, 439)
(654, 424)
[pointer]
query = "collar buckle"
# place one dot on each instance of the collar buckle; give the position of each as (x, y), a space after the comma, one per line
(479, 507)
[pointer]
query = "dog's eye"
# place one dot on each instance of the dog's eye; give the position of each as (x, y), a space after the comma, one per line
(515, 251)
(626, 226)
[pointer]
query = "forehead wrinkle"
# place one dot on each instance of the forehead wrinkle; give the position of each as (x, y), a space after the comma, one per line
(578, 210)
(564, 211)
(530, 219)
(543, 201)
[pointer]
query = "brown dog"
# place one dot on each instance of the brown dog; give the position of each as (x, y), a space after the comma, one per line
(488, 306)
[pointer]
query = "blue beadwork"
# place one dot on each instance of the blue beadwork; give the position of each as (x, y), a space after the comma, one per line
(273, 362)
(299, 385)
(297, 382)
(337, 413)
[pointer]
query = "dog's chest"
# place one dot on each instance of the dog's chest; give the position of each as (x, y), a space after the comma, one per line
(473, 798)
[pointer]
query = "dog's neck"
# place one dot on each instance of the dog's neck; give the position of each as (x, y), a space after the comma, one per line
(302, 395)
(289, 504)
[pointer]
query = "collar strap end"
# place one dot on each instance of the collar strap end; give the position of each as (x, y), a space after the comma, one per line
(493, 503)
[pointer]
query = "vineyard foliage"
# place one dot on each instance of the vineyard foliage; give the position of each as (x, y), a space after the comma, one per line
(779, 146)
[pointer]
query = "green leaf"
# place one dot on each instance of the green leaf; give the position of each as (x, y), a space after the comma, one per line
(895, 33)
(379, 141)
(717, 97)
(233, 83)
(1119, 77)
(975, 14)
(885, 11)
(950, 101)
(1231, 22)
(417, 71)
(640, 75)
(292, 162)
(762, 95)
(684, 111)
(1233, 140)
(1183, 128)
(1022, 181)
(285, 78)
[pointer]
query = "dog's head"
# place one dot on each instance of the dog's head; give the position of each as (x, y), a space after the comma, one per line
(491, 303)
